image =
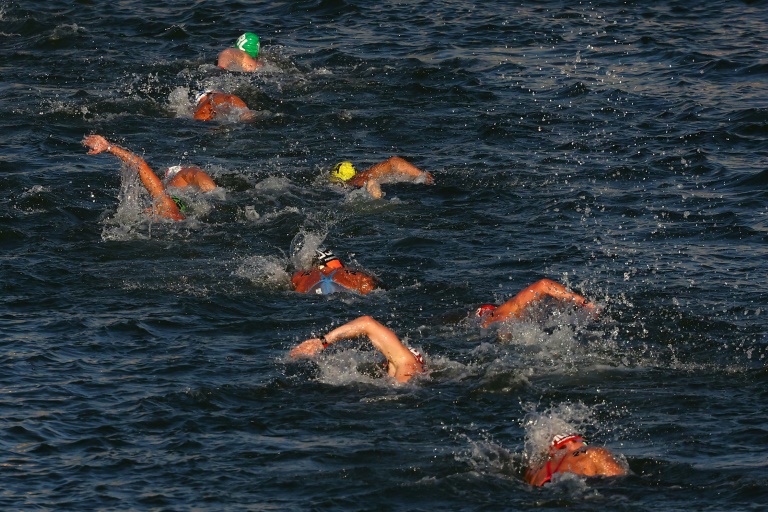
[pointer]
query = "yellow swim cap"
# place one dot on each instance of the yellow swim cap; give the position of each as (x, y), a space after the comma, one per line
(342, 171)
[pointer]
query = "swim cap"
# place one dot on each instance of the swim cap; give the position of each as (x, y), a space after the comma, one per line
(417, 355)
(561, 440)
(172, 171)
(342, 172)
(323, 257)
(249, 43)
(180, 203)
(485, 309)
(202, 94)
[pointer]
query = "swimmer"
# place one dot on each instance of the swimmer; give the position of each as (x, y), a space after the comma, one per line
(164, 204)
(242, 57)
(568, 453)
(328, 275)
(402, 362)
(210, 105)
(392, 170)
(520, 303)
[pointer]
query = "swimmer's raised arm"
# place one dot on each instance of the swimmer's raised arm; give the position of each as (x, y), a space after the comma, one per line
(394, 167)
(516, 306)
(164, 205)
(402, 362)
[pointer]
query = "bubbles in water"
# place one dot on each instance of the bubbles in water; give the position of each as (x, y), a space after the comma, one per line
(251, 214)
(541, 427)
(303, 247)
(264, 271)
(180, 103)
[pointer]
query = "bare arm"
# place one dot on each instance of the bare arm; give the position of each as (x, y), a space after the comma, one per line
(536, 476)
(394, 169)
(164, 205)
(516, 306)
(192, 177)
(403, 364)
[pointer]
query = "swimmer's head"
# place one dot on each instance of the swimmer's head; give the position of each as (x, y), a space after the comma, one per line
(249, 43)
(324, 257)
(200, 95)
(484, 310)
(172, 171)
(417, 355)
(560, 440)
(419, 359)
(342, 172)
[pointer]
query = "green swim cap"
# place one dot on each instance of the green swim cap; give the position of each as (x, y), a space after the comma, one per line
(342, 171)
(249, 43)
(180, 203)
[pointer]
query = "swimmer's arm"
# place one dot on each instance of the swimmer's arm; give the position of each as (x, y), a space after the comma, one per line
(380, 336)
(165, 205)
(536, 476)
(394, 167)
(402, 363)
(308, 348)
(516, 306)
(374, 188)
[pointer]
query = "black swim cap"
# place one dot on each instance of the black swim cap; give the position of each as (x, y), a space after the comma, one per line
(323, 256)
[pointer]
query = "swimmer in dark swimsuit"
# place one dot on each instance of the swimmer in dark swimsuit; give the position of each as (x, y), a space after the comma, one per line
(329, 275)
(242, 57)
(520, 303)
(402, 362)
(164, 205)
(570, 454)
(392, 170)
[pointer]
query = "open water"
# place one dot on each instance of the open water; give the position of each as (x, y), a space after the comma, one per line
(616, 147)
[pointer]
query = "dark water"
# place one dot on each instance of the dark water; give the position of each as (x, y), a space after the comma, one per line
(617, 147)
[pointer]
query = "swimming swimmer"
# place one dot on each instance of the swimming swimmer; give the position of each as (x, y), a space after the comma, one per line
(328, 275)
(392, 170)
(210, 105)
(568, 453)
(402, 362)
(164, 205)
(520, 303)
(242, 57)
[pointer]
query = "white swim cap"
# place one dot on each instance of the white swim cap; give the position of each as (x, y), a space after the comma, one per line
(201, 94)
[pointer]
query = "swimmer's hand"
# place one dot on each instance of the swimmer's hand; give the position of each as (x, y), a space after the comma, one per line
(307, 348)
(593, 309)
(249, 116)
(96, 144)
(428, 179)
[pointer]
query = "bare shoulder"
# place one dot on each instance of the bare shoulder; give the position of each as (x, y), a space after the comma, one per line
(606, 463)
